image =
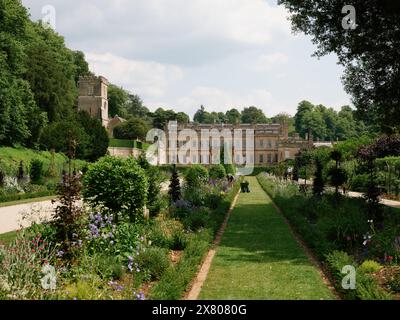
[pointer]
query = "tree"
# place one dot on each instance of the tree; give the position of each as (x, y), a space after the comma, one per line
(81, 65)
(135, 107)
(182, 118)
(174, 186)
(200, 115)
(97, 137)
(134, 128)
(233, 116)
(117, 101)
(51, 73)
(338, 176)
(57, 134)
(318, 183)
(254, 115)
(373, 82)
(217, 171)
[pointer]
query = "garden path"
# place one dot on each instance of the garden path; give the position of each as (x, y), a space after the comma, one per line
(11, 217)
(260, 258)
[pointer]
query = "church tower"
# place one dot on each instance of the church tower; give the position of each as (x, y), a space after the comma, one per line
(93, 97)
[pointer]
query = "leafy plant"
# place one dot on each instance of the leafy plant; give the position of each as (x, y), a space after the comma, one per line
(217, 171)
(154, 261)
(118, 185)
(370, 266)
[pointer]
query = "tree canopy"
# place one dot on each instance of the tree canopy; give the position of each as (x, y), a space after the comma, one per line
(370, 52)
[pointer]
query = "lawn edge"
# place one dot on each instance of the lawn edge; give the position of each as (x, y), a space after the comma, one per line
(310, 255)
(197, 284)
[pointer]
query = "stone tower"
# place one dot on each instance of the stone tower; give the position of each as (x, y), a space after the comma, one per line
(93, 97)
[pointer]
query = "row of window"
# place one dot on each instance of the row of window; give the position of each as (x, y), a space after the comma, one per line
(270, 158)
(261, 143)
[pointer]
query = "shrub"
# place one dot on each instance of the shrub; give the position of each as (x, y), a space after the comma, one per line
(197, 219)
(107, 267)
(196, 176)
(174, 186)
(118, 185)
(217, 171)
(370, 266)
(36, 171)
(154, 261)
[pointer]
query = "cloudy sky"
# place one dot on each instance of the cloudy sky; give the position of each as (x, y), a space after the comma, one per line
(183, 53)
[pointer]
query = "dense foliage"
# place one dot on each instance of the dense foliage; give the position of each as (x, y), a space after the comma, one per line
(119, 186)
(369, 52)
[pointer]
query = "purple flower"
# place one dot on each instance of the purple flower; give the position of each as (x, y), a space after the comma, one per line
(60, 253)
(140, 296)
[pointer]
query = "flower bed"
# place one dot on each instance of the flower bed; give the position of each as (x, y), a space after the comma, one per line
(329, 224)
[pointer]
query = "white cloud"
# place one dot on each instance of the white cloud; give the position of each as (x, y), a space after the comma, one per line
(267, 62)
(142, 77)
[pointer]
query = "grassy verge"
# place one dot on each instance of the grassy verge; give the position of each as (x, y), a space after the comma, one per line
(27, 200)
(8, 237)
(258, 257)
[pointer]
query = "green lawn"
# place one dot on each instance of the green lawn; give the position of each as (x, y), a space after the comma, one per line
(24, 201)
(10, 159)
(258, 257)
(6, 238)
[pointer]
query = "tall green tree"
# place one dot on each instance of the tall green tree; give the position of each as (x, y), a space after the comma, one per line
(117, 101)
(233, 116)
(369, 52)
(254, 115)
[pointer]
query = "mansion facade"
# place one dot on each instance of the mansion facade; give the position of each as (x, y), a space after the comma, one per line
(267, 144)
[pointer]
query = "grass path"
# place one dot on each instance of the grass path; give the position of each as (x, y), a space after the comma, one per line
(259, 258)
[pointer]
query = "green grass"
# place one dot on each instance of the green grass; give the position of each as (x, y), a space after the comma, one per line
(24, 201)
(10, 159)
(8, 237)
(258, 257)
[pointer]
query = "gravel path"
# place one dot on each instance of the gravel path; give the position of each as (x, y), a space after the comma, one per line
(12, 217)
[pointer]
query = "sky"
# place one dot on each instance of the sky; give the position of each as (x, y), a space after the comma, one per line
(180, 54)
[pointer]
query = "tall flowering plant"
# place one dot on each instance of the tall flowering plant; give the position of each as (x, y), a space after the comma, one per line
(100, 233)
(21, 267)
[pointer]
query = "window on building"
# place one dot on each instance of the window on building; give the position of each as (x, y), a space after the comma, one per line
(194, 159)
(261, 143)
(261, 158)
(269, 158)
(287, 155)
(276, 158)
(269, 144)
(90, 90)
